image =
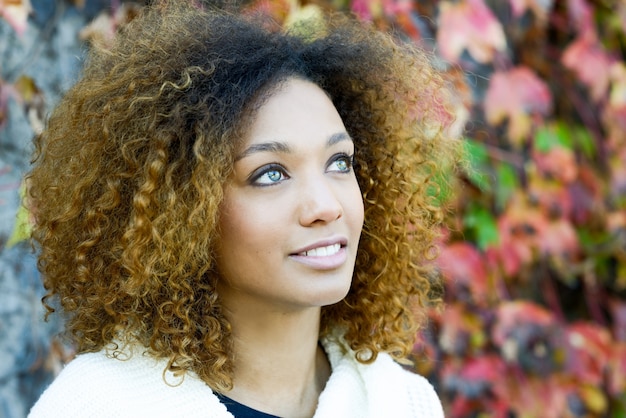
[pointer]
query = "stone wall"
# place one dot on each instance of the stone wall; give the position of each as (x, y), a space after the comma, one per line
(49, 52)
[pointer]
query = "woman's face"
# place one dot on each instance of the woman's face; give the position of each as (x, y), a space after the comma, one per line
(292, 213)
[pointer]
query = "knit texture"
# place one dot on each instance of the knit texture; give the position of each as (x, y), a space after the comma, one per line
(98, 385)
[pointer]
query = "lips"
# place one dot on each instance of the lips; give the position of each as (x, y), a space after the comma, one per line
(323, 255)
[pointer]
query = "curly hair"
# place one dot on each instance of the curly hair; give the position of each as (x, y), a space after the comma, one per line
(128, 177)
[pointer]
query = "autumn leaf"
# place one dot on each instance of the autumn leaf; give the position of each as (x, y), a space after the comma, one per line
(586, 197)
(557, 163)
(551, 196)
(21, 230)
(464, 270)
(535, 396)
(516, 95)
(515, 313)
(375, 9)
(16, 13)
(581, 15)
(527, 336)
(595, 401)
(473, 377)
(278, 10)
(560, 240)
(33, 100)
(617, 369)
(461, 331)
(617, 75)
(520, 229)
(299, 14)
(469, 25)
(591, 64)
(589, 350)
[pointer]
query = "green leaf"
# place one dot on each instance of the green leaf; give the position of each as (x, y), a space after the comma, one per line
(551, 136)
(560, 134)
(506, 185)
(477, 157)
(584, 141)
(483, 225)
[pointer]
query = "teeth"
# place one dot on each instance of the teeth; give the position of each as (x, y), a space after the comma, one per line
(323, 251)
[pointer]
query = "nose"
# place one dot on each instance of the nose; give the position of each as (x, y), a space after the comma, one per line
(319, 203)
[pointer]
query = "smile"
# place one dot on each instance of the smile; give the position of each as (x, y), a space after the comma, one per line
(324, 255)
(326, 251)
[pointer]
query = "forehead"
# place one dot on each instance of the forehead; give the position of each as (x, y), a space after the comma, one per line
(296, 109)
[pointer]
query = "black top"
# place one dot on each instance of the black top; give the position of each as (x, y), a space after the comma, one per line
(240, 410)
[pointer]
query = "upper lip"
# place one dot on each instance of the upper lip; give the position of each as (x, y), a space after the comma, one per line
(323, 243)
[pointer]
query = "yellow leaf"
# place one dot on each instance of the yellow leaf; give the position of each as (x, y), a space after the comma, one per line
(21, 230)
(26, 88)
(594, 399)
(307, 21)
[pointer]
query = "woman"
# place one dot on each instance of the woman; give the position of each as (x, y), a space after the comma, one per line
(237, 221)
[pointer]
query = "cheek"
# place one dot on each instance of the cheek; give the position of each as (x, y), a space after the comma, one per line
(245, 228)
(356, 209)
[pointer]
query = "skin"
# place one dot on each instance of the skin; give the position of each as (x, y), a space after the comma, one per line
(292, 190)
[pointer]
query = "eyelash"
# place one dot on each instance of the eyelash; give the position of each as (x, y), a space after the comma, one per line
(274, 167)
(346, 157)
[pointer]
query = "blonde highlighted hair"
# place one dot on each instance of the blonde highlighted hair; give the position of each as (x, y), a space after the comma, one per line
(128, 174)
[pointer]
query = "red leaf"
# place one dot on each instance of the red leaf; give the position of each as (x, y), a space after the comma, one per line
(472, 378)
(520, 229)
(558, 162)
(464, 269)
(485, 368)
(617, 369)
(581, 14)
(513, 314)
(461, 331)
(560, 240)
(516, 94)
(534, 396)
(469, 25)
(591, 63)
(552, 196)
(589, 349)
(618, 313)
(16, 13)
(586, 196)
(363, 9)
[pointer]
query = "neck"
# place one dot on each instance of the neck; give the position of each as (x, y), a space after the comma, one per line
(279, 366)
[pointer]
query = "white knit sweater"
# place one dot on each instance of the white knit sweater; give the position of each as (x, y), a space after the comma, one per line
(97, 385)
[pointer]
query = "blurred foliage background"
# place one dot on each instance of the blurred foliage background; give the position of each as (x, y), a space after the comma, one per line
(533, 253)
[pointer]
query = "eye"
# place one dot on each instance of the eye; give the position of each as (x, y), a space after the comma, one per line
(341, 163)
(268, 175)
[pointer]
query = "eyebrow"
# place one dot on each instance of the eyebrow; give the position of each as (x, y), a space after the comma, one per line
(281, 147)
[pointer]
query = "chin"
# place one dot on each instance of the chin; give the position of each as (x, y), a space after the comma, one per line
(334, 296)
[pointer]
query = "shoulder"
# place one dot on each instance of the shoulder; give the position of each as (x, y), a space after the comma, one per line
(383, 387)
(102, 385)
(410, 389)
